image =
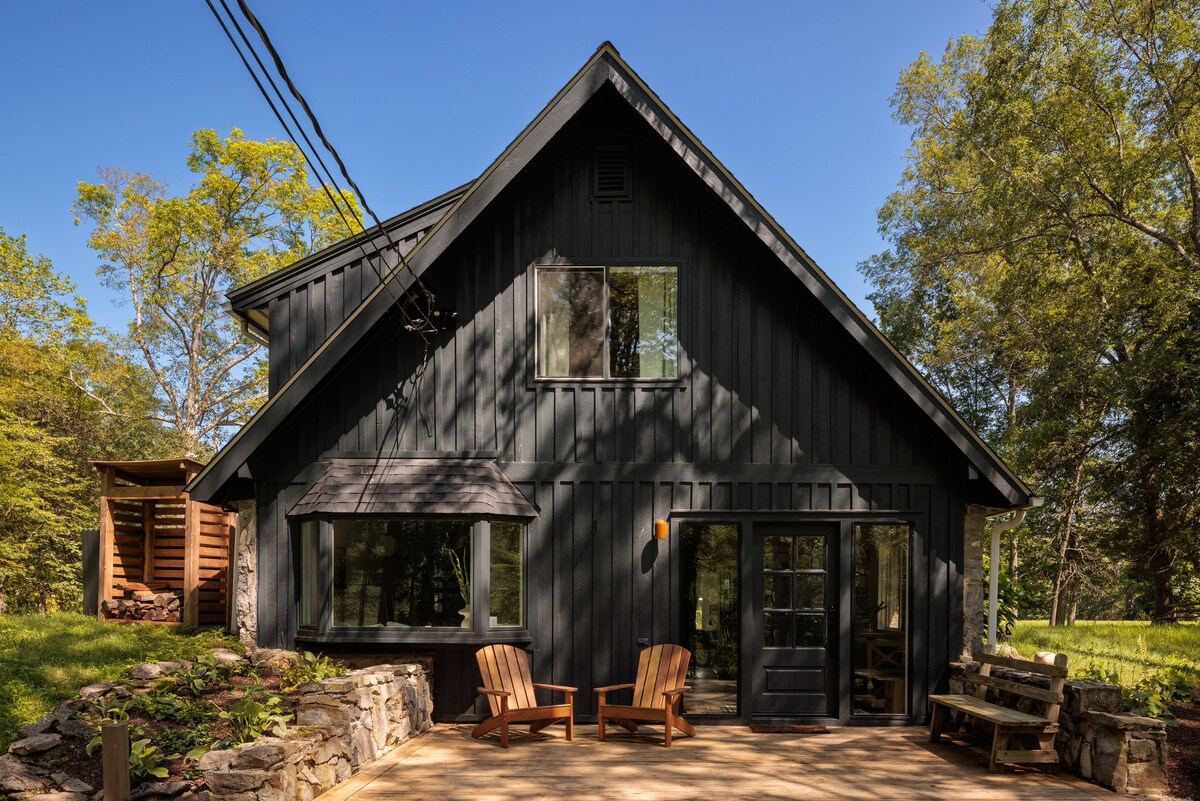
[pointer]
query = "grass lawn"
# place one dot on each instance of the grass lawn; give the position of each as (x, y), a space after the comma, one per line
(1132, 649)
(45, 659)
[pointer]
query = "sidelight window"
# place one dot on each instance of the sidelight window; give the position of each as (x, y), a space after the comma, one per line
(880, 618)
(608, 322)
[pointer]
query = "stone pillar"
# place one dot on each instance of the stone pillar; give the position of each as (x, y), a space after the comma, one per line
(974, 584)
(245, 594)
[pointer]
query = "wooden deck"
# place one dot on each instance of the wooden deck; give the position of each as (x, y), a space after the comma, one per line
(727, 762)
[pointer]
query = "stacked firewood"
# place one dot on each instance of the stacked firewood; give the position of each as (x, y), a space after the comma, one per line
(144, 602)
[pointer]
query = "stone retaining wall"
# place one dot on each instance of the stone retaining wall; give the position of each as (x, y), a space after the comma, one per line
(1097, 739)
(342, 724)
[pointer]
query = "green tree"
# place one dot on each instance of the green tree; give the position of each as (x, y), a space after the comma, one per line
(65, 398)
(250, 211)
(1044, 266)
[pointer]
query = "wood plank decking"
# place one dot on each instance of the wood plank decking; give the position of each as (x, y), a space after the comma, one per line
(726, 762)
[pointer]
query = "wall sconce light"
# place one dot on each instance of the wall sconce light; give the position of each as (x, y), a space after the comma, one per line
(660, 529)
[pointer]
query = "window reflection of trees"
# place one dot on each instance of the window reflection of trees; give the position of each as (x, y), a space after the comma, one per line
(399, 572)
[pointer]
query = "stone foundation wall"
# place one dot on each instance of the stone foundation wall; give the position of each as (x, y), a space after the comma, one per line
(342, 725)
(1097, 739)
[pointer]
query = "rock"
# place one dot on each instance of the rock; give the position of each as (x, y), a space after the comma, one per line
(71, 784)
(234, 781)
(163, 789)
(273, 660)
(76, 729)
(35, 744)
(39, 726)
(1142, 750)
(322, 716)
(223, 657)
(16, 776)
(216, 760)
(96, 690)
(61, 796)
(1124, 722)
(175, 666)
(145, 671)
(265, 753)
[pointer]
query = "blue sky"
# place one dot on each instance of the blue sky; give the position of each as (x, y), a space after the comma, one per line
(420, 97)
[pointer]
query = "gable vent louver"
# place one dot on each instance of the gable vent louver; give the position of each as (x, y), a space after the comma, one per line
(610, 172)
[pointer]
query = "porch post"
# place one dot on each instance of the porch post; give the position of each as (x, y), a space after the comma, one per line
(244, 573)
(972, 607)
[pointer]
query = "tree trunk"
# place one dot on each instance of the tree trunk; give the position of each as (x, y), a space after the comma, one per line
(1160, 556)
(41, 601)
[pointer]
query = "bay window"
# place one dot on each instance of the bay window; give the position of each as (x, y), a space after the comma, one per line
(408, 578)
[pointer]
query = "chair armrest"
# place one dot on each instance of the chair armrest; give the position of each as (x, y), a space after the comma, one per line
(613, 687)
(677, 691)
(501, 693)
(556, 687)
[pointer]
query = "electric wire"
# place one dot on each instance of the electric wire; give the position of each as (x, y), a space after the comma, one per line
(422, 326)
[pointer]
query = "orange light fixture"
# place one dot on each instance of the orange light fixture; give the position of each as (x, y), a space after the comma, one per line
(660, 529)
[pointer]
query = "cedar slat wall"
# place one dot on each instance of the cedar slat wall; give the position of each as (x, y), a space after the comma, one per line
(145, 540)
(772, 387)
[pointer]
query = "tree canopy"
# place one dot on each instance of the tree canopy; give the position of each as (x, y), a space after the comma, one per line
(65, 397)
(250, 211)
(1044, 270)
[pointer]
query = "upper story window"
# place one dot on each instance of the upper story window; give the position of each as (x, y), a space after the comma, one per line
(608, 322)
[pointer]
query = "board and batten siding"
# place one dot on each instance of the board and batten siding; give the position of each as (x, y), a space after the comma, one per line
(777, 409)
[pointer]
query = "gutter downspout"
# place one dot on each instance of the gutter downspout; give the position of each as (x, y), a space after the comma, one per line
(994, 570)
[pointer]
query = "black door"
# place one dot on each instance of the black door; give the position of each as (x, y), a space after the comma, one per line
(792, 654)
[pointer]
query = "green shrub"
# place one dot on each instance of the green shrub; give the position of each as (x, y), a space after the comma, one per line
(311, 667)
(253, 715)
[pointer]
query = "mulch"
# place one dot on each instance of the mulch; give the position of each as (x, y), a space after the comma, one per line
(787, 728)
(1183, 751)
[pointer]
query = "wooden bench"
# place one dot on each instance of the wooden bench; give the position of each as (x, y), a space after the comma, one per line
(1019, 738)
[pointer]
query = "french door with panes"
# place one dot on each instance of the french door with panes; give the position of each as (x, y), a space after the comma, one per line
(793, 651)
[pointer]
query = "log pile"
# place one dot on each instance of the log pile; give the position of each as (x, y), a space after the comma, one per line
(144, 602)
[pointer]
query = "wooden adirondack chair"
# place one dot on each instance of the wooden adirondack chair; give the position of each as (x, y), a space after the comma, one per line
(510, 693)
(656, 693)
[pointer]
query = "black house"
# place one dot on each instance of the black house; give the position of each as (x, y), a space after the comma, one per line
(651, 418)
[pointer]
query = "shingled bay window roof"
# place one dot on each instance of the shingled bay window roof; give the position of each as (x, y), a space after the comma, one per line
(428, 487)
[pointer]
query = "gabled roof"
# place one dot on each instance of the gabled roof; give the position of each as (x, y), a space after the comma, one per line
(606, 67)
(249, 303)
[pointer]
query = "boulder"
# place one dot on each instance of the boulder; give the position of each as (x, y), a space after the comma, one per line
(223, 657)
(16, 776)
(39, 726)
(96, 690)
(145, 671)
(35, 744)
(223, 782)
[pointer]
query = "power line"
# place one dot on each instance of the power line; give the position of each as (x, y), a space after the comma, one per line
(422, 322)
(407, 305)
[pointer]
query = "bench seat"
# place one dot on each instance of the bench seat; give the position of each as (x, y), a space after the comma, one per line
(992, 713)
(1031, 736)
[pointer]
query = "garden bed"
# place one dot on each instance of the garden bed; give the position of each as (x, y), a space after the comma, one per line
(274, 723)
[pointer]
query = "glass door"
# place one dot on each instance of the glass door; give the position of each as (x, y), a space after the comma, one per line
(880, 619)
(709, 625)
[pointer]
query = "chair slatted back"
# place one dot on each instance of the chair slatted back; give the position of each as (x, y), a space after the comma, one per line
(660, 668)
(504, 667)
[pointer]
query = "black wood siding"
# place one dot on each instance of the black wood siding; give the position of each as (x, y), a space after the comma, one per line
(777, 410)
